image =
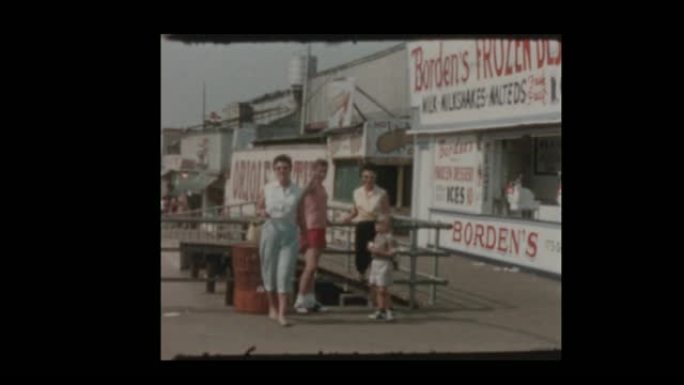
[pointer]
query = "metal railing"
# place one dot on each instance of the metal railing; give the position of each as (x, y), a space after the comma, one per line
(433, 280)
(410, 249)
(214, 225)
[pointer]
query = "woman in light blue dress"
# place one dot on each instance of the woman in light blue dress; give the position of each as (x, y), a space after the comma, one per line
(279, 244)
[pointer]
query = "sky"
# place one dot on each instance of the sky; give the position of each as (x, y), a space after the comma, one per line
(237, 72)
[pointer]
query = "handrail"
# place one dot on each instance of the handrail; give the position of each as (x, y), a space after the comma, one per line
(402, 222)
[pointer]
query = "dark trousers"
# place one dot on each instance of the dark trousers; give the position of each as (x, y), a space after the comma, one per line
(365, 232)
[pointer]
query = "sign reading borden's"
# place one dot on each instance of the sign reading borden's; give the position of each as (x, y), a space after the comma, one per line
(469, 81)
(528, 244)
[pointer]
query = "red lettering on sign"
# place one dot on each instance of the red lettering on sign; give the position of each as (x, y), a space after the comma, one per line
(468, 234)
(486, 61)
(419, 79)
(515, 238)
(541, 53)
(527, 54)
(439, 67)
(499, 59)
(509, 67)
(532, 245)
(512, 56)
(491, 237)
(442, 173)
(553, 60)
(442, 70)
(518, 67)
(478, 57)
(457, 231)
(466, 68)
(503, 246)
(496, 238)
(479, 232)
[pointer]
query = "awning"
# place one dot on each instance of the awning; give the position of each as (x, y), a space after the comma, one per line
(351, 129)
(195, 183)
(299, 139)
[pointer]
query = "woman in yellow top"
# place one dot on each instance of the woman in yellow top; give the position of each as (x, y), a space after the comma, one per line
(370, 201)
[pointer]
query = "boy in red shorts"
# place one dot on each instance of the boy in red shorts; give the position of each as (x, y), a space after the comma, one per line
(313, 221)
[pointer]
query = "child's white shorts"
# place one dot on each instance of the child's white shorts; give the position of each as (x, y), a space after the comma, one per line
(380, 273)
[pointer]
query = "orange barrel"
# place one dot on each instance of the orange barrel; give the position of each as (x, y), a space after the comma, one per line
(248, 293)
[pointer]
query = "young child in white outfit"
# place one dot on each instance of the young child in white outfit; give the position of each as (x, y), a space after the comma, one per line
(383, 250)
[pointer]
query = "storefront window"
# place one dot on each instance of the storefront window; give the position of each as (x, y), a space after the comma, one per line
(387, 179)
(547, 155)
(347, 178)
(524, 175)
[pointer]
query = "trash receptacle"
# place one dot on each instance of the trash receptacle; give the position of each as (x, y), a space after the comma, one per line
(248, 292)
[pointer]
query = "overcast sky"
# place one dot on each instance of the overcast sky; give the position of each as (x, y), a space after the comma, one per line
(236, 72)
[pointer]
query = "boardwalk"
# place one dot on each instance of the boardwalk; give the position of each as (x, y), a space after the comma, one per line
(484, 309)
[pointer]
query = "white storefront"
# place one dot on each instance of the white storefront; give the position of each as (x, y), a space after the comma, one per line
(487, 144)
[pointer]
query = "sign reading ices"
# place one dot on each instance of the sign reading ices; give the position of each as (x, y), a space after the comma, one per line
(458, 174)
(528, 244)
(484, 79)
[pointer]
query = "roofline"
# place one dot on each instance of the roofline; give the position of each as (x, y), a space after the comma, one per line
(371, 57)
(304, 139)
